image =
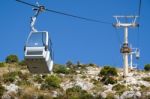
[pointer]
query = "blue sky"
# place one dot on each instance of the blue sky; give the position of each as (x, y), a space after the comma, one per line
(75, 39)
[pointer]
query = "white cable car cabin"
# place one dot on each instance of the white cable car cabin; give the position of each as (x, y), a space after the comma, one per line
(38, 53)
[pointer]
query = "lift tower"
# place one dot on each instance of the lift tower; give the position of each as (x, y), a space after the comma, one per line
(125, 49)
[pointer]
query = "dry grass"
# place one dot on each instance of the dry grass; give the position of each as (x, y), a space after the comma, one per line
(3, 70)
(30, 92)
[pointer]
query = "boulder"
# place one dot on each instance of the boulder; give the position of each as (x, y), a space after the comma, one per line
(6, 96)
(145, 83)
(127, 94)
(103, 95)
(138, 94)
(116, 97)
(54, 93)
(131, 94)
(12, 88)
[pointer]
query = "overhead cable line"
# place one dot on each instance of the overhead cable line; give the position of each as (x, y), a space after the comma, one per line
(66, 14)
(139, 10)
(139, 14)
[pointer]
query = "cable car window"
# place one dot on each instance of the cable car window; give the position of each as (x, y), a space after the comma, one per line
(37, 39)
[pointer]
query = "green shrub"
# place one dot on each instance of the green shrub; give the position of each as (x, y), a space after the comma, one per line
(95, 82)
(109, 80)
(27, 96)
(2, 64)
(108, 74)
(145, 96)
(22, 63)
(110, 96)
(10, 77)
(24, 83)
(144, 88)
(23, 76)
(76, 92)
(69, 64)
(74, 89)
(24, 79)
(44, 86)
(61, 96)
(147, 67)
(86, 96)
(108, 71)
(83, 76)
(119, 88)
(38, 79)
(146, 79)
(51, 82)
(11, 59)
(42, 96)
(72, 71)
(2, 89)
(61, 69)
(92, 64)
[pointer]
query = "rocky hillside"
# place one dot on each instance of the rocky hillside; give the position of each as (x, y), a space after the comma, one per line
(71, 81)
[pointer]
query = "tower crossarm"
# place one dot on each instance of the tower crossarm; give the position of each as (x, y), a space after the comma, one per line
(125, 24)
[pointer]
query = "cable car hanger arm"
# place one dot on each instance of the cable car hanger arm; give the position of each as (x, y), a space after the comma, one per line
(33, 19)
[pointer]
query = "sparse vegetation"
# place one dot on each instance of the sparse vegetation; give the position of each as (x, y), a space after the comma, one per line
(38, 79)
(23, 79)
(61, 69)
(42, 86)
(24, 83)
(98, 86)
(42, 96)
(2, 64)
(10, 77)
(92, 64)
(146, 79)
(23, 76)
(147, 67)
(108, 71)
(22, 63)
(109, 80)
(108, 75)
(51, 81)
(119, 88)
(2, 90)
(83, 76)
(76, 92)
(110, 96)
(11, 59)
(94, 81)
(69, 64)
(29, 92)
(144, 88)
